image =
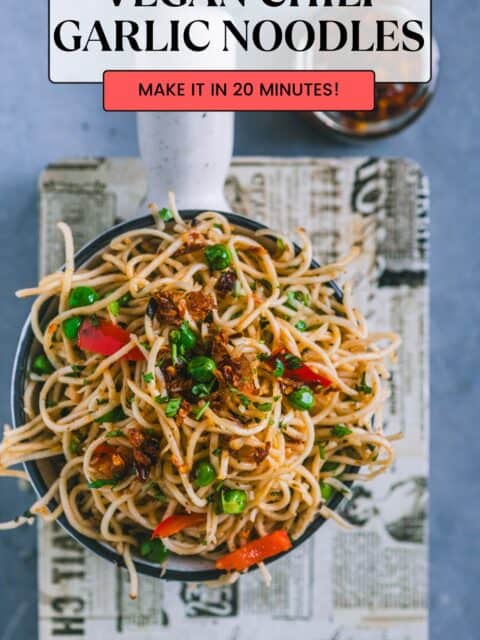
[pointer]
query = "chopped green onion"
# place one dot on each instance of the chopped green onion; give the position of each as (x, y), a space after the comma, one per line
(297, 296)
(76, 371)
(340, 431)
(199, 412)
(115, 434)
(244, 400)
(301, 325)
(154, 550)
(98, 484)
(237, 289)
(115, 415)
(281, 244)
(279, 368)
(217, 451)
(161, 399)
(165, 214)
(175, 353)
(173, 407)
(363, 387)
(201, 390)
(183, 339)
(326, 490)
(148, 377)
(265, 406)
(293, 362)
(218, 257)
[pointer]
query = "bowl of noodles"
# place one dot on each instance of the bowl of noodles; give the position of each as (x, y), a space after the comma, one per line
(193, 395)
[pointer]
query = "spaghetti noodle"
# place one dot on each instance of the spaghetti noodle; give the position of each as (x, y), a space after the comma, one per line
(203, 385)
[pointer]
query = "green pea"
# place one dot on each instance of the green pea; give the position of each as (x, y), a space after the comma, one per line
(233, 501)
(154, 550)
(42, 365)
(218, 257)
(201, 369)
(82, 297)
(204, 474)
(302, 399)
(71, 327)
(114, 308)
(184, 338)
(326, 490)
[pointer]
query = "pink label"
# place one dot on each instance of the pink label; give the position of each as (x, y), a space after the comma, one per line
(238, 90)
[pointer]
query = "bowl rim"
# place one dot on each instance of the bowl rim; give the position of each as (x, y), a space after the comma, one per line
(27, 340)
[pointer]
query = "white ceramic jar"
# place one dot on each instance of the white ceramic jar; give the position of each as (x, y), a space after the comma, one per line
(188, 153)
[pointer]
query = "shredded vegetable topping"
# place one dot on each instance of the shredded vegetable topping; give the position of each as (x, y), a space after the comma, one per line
(206, 390)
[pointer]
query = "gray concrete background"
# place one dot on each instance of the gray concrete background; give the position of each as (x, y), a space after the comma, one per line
(41, 122)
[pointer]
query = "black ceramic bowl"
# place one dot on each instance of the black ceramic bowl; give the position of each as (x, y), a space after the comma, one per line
(180, 568)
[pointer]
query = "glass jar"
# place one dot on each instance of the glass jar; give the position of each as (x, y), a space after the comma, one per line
(397, 105)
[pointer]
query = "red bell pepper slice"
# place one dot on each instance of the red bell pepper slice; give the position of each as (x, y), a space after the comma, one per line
(106, 339)
(303, 373)
(255, 551)
(175, 524)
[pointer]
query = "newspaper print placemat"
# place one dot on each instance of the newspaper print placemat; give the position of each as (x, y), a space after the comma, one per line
(369, 584)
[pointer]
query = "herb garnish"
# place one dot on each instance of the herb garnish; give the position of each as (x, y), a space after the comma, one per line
(293, 362)
(115, 415)
(103, 482)
(340, 431)
(263, 406)
(165, 214)
(301, 325)
(363, 387)
(173, 407)
(198, 412)
(279, 368)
